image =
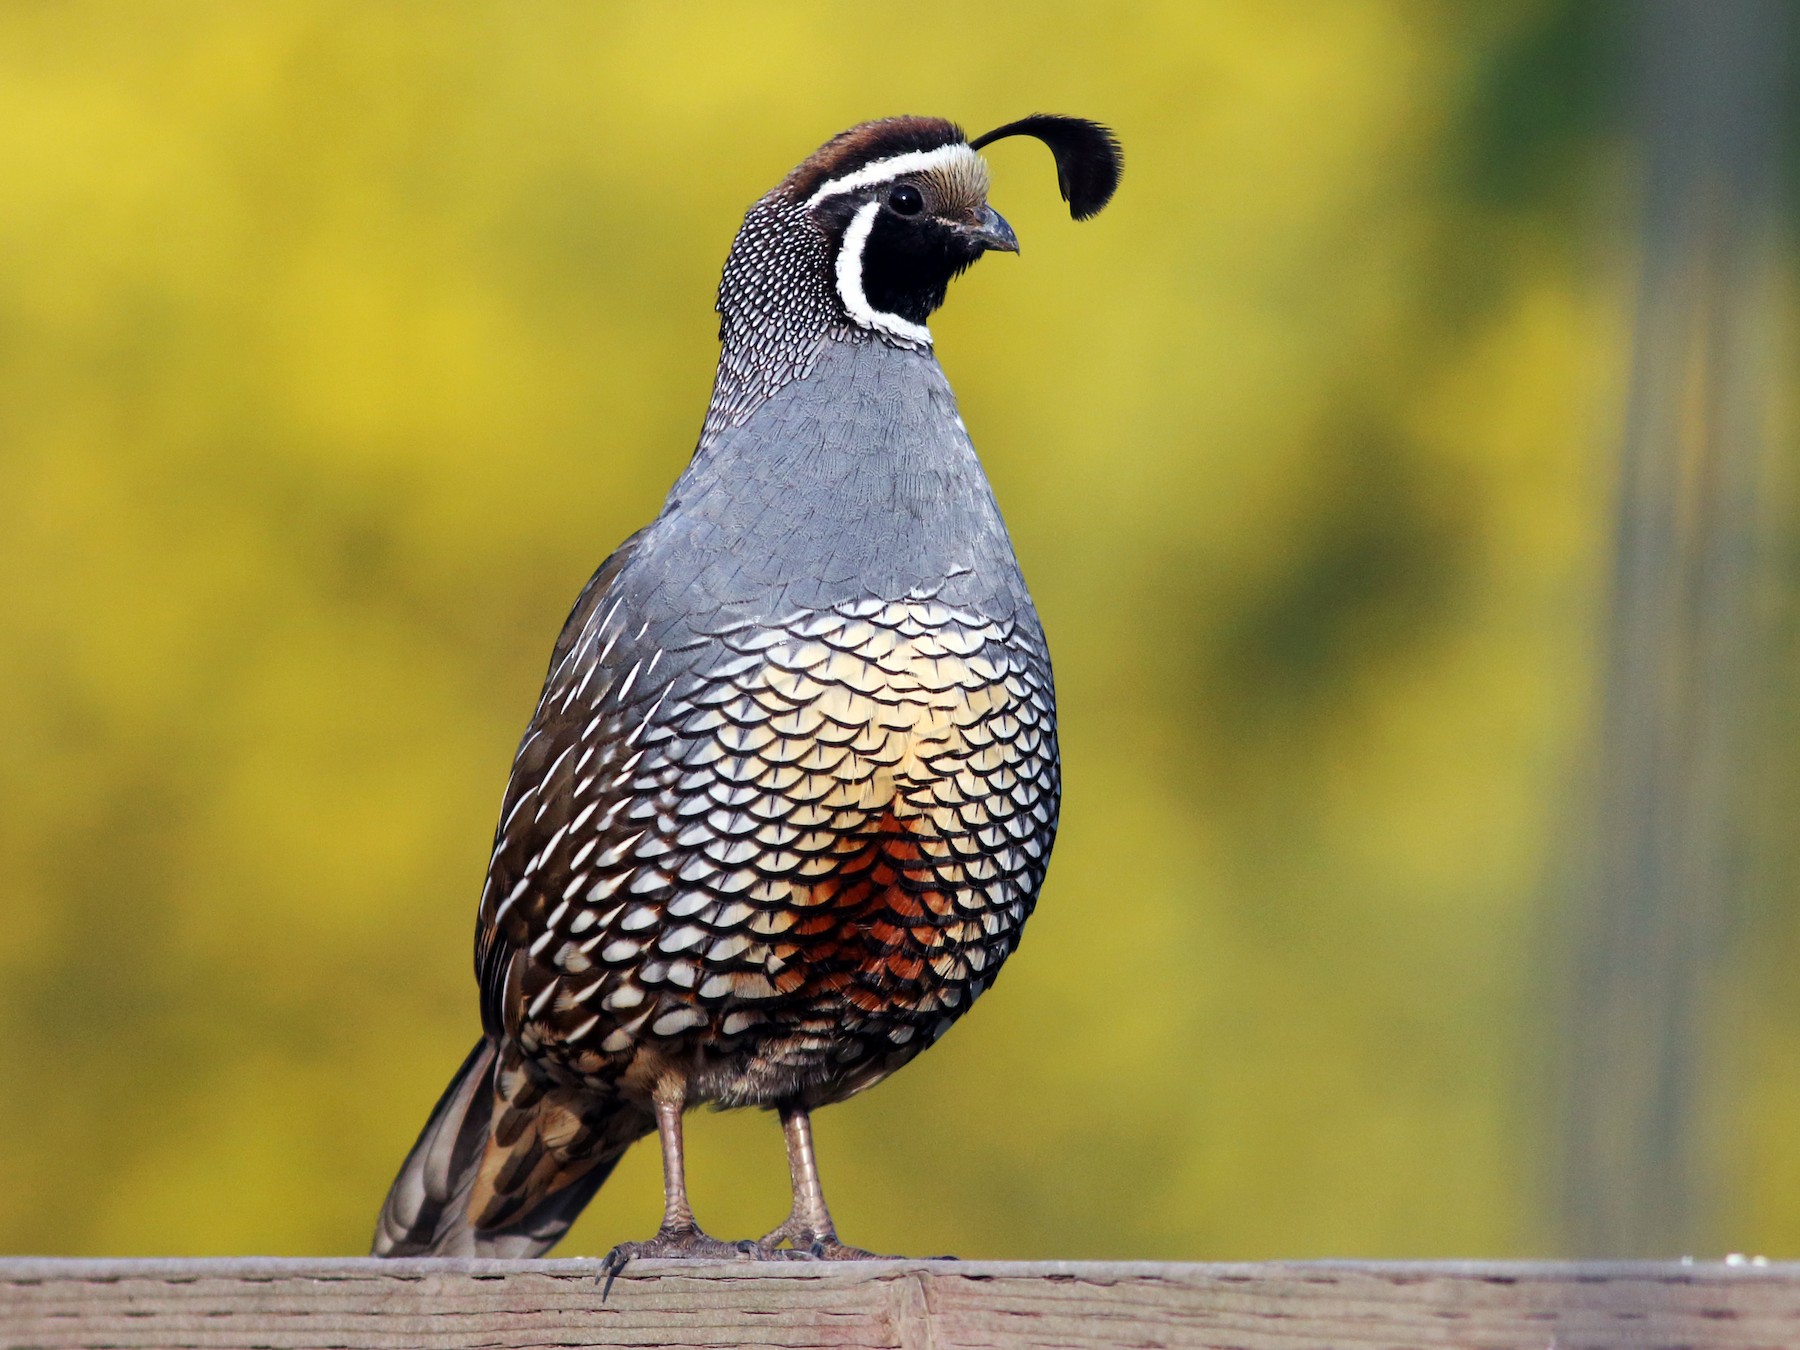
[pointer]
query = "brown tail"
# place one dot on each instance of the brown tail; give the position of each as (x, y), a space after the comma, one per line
(500, 1169)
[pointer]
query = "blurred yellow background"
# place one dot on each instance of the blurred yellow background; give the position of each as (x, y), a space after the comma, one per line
(339, 343)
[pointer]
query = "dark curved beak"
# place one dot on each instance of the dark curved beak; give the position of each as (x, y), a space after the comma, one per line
(992, 232)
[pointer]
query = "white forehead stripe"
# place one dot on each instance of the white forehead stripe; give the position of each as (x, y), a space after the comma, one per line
(850, 283)
(913, 161)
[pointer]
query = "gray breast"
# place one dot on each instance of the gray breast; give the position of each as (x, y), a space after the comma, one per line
(858, 480)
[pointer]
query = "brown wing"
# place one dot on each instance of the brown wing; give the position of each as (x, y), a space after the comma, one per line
(512, 907)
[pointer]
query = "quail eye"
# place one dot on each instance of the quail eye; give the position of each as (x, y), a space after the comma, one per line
(906, 200)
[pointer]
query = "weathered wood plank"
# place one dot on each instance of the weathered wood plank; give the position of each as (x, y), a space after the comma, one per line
(906, 1305)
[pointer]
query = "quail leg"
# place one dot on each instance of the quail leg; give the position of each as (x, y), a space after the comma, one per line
(680, 1236)
(808, 1230)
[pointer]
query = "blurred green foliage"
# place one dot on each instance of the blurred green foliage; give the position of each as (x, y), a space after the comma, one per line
(338, 343)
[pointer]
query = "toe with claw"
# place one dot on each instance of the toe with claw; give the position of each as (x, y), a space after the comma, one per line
(799, 1239)
(674, 1244)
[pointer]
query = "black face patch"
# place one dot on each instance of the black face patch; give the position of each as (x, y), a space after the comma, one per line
(909, 262)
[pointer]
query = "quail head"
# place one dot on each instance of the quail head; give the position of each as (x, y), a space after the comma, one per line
(789, 792)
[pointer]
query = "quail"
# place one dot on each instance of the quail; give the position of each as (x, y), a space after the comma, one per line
(790, 789)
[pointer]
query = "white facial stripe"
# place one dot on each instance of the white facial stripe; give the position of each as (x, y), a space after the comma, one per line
(913, 161)
(850, 283)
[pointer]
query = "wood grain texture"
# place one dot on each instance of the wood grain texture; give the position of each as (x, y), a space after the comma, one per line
(907, 1305)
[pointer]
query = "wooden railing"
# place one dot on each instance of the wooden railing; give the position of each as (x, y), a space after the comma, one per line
(912, 1304)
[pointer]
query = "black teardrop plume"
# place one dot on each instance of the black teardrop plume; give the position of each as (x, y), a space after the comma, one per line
(1088, 157)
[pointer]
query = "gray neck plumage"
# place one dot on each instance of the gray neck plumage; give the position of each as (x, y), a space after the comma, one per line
(855, 479)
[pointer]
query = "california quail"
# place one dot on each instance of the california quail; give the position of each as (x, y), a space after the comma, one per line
(791, 786)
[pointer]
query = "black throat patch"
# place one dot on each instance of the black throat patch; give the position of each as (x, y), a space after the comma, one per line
(907, 266)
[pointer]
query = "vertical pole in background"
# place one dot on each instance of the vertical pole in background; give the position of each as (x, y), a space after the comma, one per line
(1665, 866)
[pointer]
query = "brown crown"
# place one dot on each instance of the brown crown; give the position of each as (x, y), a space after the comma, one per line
(850, 150)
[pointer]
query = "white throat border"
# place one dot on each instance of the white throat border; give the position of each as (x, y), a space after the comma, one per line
(850, 282)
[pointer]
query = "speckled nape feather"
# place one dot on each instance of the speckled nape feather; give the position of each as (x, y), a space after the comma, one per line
(775, 312)
(790, 790)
